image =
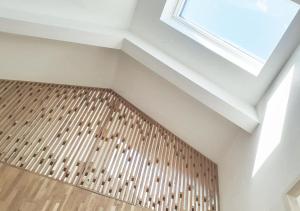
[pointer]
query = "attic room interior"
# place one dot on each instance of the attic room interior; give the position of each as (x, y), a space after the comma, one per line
(184, 105)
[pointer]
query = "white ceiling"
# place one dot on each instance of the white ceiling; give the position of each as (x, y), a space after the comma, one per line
(212, 80)
(112, 13)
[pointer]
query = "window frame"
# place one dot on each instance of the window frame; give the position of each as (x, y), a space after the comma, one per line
(171, 16)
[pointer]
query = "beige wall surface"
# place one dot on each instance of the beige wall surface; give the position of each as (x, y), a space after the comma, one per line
(202, 128)
(42, 60)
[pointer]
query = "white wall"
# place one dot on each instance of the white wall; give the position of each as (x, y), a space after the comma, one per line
(199, 126)
(34, 59)
(266, 190)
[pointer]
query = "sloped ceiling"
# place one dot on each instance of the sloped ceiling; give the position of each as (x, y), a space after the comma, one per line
(113, 13)
(134, 26)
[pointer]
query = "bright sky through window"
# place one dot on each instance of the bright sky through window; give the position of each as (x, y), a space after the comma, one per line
(253, 26)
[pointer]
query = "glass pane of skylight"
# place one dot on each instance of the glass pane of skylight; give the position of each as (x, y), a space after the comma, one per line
(253, 26)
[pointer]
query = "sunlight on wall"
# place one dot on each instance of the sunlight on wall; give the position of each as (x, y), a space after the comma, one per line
(293, 197)
(294, 203)
(273, 123)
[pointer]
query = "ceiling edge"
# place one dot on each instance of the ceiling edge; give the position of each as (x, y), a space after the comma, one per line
(100, 36)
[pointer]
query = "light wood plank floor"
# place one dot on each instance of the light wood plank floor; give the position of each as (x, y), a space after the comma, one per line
(24, 191)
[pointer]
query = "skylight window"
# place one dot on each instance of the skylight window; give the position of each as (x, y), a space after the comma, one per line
(245, 32)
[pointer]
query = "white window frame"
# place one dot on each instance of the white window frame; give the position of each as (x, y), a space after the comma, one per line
(171, 16)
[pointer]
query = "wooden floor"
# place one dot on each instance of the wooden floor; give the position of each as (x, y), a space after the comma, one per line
(93, 138)
(24, 191)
